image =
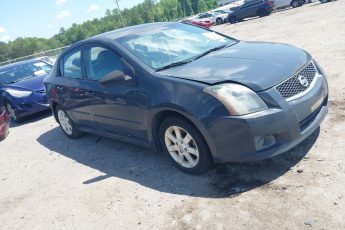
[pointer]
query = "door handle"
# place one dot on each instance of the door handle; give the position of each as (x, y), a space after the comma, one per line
(89, 93)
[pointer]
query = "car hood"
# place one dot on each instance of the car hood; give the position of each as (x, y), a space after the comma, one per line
(257, 65)
(32, 84)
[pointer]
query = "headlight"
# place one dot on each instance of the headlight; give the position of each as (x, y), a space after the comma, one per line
(18, 93)
(238, 99)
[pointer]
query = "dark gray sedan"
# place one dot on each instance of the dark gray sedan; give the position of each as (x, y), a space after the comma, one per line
(197, 95)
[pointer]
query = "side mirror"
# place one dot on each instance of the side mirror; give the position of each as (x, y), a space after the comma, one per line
(114, 77)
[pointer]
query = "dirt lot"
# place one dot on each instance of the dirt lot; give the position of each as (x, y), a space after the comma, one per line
(50, 182)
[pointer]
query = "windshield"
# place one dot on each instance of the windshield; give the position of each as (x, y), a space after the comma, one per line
(25, 71)
(173, 44)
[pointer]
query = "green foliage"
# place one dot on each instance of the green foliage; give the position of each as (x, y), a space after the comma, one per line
(202, 6)
(146, 12)
(187, 7)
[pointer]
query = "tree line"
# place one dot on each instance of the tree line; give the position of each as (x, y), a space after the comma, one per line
(146, 12)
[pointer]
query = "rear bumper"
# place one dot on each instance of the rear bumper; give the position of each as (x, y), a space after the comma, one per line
(235, 139)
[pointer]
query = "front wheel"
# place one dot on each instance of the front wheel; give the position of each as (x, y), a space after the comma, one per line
(232, 19)
(67, 124)
(184, 145)
(12, 112)
(219, 21)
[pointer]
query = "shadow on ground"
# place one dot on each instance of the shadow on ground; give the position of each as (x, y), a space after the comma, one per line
(117, 159)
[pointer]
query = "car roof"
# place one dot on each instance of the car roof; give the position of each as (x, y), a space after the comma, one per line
(9, 66)
(137, 29)
(118, 33)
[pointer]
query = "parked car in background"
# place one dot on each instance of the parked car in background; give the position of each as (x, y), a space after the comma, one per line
(197, 95)
(324, 1)
(202, 23)
(214, 17)
(224, 11)
(4, 123)
(251, 8)
(47, 59)
(22, 89)
(279, 4)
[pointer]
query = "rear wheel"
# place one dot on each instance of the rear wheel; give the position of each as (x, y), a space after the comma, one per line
(184, 145)
(67, 124)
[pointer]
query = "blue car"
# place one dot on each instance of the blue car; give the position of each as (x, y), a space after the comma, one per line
(21, 88)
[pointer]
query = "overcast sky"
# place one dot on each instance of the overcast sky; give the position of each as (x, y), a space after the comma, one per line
(44, 18)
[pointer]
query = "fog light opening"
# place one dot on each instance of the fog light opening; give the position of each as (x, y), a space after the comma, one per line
(263, 142)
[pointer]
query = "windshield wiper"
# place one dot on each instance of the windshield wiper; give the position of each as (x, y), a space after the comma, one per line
(174, 64)
(210, 51)
(194, 58)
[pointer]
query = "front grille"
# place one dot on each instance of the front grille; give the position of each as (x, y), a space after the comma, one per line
(293, 85)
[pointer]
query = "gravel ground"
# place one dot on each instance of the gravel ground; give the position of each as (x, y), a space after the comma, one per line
(50, 182)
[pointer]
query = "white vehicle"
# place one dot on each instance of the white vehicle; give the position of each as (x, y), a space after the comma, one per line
(223, 11)
(214, 17)
(287, 3)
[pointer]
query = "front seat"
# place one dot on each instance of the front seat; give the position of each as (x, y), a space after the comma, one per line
(108, 61)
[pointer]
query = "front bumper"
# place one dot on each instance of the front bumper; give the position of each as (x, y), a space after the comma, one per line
(233, 138)
(30, 105)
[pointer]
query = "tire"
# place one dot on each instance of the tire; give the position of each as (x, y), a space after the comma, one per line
(262, 13)
(66, 124)
(12, 112)
(232, 19)
(219, 21)
(184, 145)
(295, 3)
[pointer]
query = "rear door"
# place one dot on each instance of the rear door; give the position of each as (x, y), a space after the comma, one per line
(71, 90)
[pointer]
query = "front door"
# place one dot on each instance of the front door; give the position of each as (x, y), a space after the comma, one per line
(115, 107)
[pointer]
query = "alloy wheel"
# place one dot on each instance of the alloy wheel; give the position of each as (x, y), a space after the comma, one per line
(65, 122)
(219, 21)
(181, 147)
(11, 111)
